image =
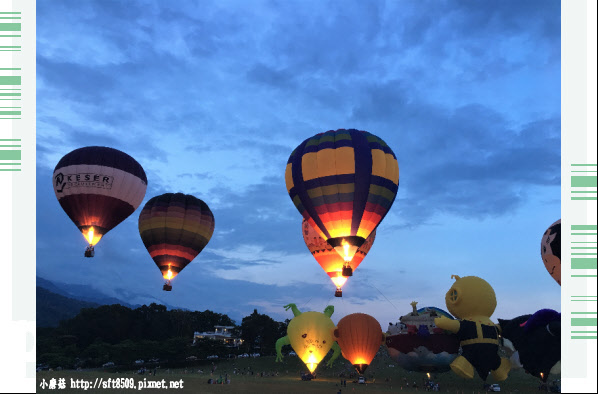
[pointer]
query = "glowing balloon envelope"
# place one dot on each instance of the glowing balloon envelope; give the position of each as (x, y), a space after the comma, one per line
(343, 182)
(551, 250)
(359, 337)
(175, 227)
(329, 259)
(98, 187)
(310, 335)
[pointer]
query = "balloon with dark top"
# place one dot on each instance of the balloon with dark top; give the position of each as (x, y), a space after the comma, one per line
(343, 183)
(175, 227)
(98, 187)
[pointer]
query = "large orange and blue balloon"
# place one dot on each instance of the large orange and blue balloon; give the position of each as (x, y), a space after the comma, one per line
(98, 187)
(343, 182)
(329, 259)
(175, 227)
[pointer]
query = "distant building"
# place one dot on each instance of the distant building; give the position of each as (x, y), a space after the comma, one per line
(220, 333)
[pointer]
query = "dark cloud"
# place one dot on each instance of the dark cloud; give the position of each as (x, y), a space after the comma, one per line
(262, 214)
(512, 15)
(266, 75)
(78, 82)
(468, 161)
(198, 175)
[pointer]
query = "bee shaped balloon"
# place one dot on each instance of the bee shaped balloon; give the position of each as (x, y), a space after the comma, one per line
(472, 300)
(551, 250)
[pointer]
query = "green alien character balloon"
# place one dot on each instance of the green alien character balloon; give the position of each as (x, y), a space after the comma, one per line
(311, 336)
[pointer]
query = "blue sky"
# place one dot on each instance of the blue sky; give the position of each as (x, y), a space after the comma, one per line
(212, 97)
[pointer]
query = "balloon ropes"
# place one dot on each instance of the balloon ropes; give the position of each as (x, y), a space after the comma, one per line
(175, 228)
(98, 187)
(329, 259)
(343, 182)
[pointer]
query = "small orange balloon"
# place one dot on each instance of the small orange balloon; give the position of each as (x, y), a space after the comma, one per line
(359, 337)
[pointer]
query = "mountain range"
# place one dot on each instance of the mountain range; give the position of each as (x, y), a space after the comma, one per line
(56, 301)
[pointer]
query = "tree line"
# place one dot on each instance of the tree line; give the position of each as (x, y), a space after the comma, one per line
(118, 334)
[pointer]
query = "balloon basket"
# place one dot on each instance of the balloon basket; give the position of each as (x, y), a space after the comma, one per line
(360, 368)
(89, 252)
(338, 293)
(167, 287)
(347, 271)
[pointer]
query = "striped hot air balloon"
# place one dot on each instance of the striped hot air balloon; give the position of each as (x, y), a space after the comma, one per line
(98, 187)
(329, 259)
(175, 227)
(343, 182)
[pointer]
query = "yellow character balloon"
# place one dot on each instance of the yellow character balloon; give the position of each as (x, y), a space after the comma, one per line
(310, 335)
(473, 301)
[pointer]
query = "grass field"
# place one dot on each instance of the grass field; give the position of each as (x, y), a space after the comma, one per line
(381, 379)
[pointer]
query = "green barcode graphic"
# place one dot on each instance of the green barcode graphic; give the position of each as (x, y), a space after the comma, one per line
(10, 112)
(10, 93)
(10, 90)
(10, 48)
(583, 250)
(10, 155)
(584, 298)
(583, 181)
(583, 325)
(10, 27)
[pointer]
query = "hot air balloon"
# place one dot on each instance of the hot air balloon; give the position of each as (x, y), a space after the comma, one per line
(359, 337)
(310, 335)
(329, 259)
(472, 300)
(98, 187)
(343, 182)
(536, 341)
(175, 228)
(550, 250)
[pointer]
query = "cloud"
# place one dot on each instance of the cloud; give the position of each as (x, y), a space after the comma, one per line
(251, 263)
(467, 161)
(211, 98)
